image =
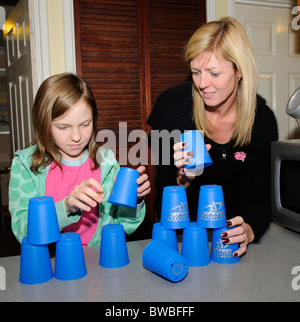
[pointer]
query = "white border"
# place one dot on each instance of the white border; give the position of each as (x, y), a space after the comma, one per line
(69, 36)
(42, 55)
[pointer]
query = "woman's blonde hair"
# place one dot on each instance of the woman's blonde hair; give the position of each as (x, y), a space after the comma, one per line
(56, 95)
(228, 39)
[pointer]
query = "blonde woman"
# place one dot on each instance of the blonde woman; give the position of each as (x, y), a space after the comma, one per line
(222, 101)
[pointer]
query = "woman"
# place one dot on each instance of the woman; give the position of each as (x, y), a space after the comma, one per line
(238, 126)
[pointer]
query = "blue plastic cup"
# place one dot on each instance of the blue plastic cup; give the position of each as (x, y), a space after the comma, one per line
(195, 248)
(35, 264)
(201, 158)
(124, 192)
(168, 235)
(159, 257)
(174, 209)
(42, 225)
(211, 207)
(220, 252)
(113, 249)
(69, 258)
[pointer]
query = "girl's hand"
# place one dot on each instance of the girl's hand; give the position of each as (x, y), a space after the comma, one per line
(84, 196)
(181, 158)
(143, 182)
(242, 234)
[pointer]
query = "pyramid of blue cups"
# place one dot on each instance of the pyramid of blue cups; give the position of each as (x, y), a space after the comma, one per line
(175, 215)
(195, 251)
(42, 230)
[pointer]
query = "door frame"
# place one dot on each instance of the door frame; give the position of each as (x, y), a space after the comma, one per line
(211, 6)
(40, 38)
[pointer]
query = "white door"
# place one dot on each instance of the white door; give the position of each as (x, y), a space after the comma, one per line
(277, 52)
(19, 74)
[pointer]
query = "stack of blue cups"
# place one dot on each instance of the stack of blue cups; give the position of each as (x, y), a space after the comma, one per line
(43, 229)
(162, 256)
(211, 214)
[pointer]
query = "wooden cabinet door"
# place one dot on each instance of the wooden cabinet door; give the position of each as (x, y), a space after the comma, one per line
(129, 51)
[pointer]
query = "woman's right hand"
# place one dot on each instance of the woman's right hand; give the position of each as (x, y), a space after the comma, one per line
(181, 158)
(84, 196)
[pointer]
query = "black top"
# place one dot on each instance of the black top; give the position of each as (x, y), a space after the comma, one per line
(244, 172)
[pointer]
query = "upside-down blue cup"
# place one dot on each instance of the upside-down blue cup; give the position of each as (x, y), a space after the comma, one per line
(113, 249)
(42, 225)
(159, 257)
(124, 192)
(168, 235)
(174, 208)
(195, 248)
(220, 252)
(69, 258)
(35, 264)
(201, 158)
(211, 207)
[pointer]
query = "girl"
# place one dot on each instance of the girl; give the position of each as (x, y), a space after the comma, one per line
(67, 164)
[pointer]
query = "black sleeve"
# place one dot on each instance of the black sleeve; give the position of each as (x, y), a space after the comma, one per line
(255, 199)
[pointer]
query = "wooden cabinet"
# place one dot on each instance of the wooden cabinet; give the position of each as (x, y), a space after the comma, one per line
(129, 51)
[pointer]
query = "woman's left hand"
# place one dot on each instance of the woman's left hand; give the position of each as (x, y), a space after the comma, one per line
(242, 234)
(143, 182)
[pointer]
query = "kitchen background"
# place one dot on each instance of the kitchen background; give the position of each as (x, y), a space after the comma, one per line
(128, 51)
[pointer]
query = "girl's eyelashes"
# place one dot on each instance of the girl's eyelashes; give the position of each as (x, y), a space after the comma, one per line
(86, 124)
(63, 127)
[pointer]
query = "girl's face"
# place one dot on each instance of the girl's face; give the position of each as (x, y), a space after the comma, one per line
(215, 78)
(72, 131)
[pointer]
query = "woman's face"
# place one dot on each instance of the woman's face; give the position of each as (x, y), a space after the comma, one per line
(72, 131)
(215, 78)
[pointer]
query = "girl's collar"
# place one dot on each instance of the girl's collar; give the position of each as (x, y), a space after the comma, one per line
(76, 163)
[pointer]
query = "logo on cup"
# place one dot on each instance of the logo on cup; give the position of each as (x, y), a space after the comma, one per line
(2, 279)
(178, 269)
(221, 250)
(179, 213)
(214, 212)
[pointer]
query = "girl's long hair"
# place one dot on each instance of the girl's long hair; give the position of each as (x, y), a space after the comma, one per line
(228, 39)
(56, 95)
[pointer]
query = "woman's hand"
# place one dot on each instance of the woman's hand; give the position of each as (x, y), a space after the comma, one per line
(181, 158)
(143, 182)
(84, 196)
(242, 234)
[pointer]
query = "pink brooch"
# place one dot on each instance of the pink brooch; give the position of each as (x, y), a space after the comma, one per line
(240, 156)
